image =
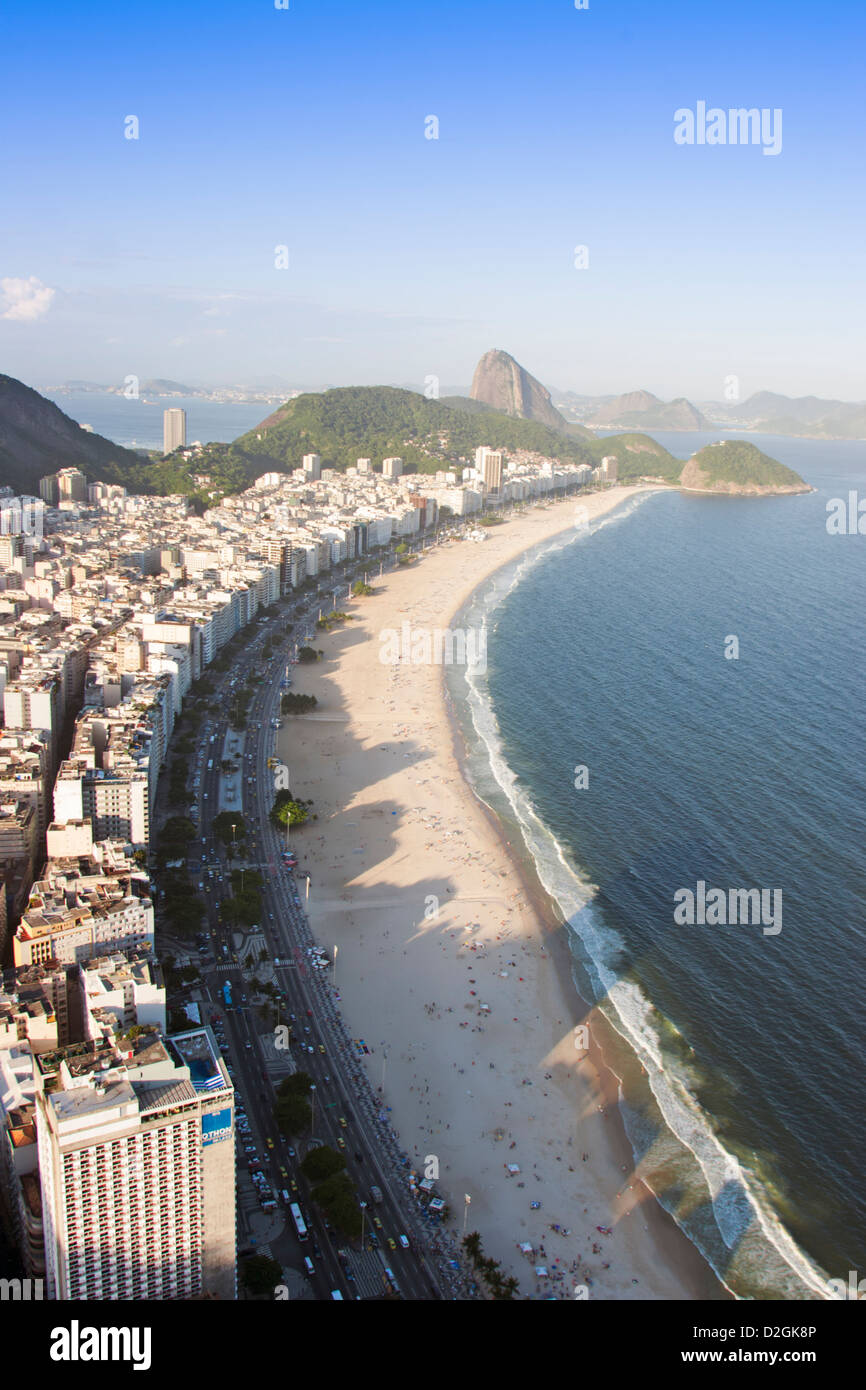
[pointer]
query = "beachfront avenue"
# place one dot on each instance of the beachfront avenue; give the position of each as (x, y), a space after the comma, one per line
(342, 1088)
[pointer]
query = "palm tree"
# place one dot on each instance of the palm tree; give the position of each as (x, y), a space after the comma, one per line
(472, 1246)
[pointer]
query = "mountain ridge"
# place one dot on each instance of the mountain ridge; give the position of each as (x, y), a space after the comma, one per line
(36, 438)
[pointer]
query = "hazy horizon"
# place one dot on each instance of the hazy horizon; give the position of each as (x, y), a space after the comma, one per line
(446, 389)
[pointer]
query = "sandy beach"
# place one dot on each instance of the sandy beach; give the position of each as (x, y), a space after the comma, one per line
(412, 879)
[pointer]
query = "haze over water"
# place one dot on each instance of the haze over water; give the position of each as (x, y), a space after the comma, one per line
(608, 651)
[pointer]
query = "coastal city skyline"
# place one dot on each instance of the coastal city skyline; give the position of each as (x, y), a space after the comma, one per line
(432, 510)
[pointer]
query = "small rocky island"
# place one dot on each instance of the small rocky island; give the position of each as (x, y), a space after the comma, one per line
(738, 469)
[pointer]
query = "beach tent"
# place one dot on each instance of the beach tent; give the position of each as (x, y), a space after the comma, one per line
(513, 1168)
(541, 1271)
(526, 1248)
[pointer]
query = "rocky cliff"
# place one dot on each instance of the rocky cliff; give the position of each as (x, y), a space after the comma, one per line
(502, 383)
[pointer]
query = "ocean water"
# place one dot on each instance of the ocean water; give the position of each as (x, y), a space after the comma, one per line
(138, 423)
(740, 1052)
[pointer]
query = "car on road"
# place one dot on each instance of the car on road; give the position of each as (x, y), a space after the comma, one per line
(322, 1048)
(342, 1122)
(341, 1142)
(377, 1223)
(293, 1185)
(283, 1171)
(404, 1242)
(269, 1141)
(392, 1244)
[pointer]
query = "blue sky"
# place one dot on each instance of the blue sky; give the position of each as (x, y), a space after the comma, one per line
(410, 257)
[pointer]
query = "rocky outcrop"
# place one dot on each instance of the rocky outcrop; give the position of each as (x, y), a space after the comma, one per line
(502, 383)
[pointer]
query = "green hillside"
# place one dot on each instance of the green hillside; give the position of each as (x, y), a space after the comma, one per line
(36, 439)
(378, 421)
(637, 456)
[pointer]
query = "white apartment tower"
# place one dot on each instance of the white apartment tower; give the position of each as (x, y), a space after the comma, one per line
(488, 465)
(72, 485)
(313, 466)
(173, 430)
(392, 468)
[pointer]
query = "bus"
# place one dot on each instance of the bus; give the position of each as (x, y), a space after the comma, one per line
(210, 765)
(227, 994)
(300, 1227)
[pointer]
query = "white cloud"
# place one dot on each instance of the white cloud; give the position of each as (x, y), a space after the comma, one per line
(24, 301)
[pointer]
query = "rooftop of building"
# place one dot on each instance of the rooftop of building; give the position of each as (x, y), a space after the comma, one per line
(197, 1050)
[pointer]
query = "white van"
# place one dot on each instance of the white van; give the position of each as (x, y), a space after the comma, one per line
(309, 1266)
(404, 1242)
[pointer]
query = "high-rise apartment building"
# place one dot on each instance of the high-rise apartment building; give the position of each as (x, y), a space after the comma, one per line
(117, 801)
(49, 490)
(173, 430)
(137, 1169)
(313, 466)
(72, 485)
(488, 465)
(392, 468)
